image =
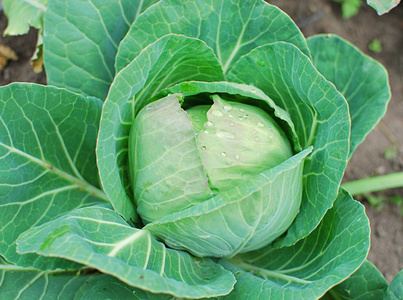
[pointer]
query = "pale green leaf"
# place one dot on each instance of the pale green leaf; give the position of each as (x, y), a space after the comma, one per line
(362, 80)
(245, 218)
(99, 238)
(230, 28)
(367, 283)
(81, 41)
(167, 173)
(242, 93)
(22, 14)
(47, 160)
(170, 60)
(383, 6)
(306, 270)
(321, 118)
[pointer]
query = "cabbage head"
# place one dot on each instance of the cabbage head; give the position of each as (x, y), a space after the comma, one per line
(185, 160)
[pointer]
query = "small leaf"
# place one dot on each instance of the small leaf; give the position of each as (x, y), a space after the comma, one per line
(383, 6)
(99, 238)
(350, 8)
(396, 200)
(375, 201)
(375, 46)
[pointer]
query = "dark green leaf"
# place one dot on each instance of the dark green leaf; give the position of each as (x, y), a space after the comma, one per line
(47, 160)
(81, 41)
(230, 28)
(20, 283)
(99, 238)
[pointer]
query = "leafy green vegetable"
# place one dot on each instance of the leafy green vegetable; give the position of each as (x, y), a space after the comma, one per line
(186, 149)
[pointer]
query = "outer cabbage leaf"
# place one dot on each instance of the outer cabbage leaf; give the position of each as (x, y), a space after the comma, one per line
(23, 14)
(306, 270)
(47, 161)
(81, 41)
(366, 283)
(383, 6)
(25, 283)
(99, 238)
(321, 118)
(171, 59)
(362, 80)
(230, 28)
(395, 290)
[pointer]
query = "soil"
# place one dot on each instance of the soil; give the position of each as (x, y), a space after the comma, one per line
(323, 16)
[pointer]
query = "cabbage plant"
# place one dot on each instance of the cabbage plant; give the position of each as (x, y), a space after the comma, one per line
(186, 149)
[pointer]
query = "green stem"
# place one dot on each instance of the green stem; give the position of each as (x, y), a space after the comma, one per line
(374, 184)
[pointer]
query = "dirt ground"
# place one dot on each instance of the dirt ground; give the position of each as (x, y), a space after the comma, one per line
(324, 16)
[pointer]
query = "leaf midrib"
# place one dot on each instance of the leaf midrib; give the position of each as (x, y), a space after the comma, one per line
(80, 183)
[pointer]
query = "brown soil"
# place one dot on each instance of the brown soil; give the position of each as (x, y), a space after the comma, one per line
(323, 16)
